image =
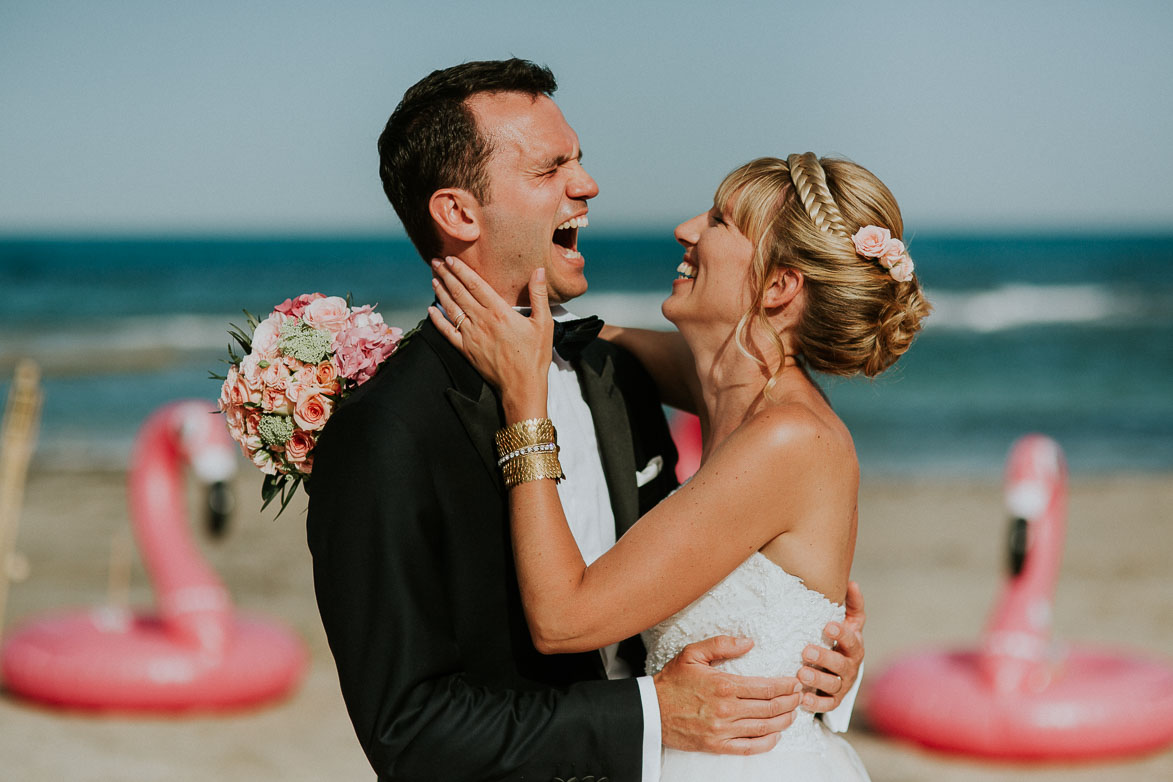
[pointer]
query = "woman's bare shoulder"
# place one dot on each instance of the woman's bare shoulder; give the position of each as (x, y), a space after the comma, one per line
(799, 427)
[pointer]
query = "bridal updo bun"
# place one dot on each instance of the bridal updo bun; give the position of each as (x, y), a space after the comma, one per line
(801, 213)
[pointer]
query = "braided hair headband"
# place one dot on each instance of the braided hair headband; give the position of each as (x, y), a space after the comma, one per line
(871, 241)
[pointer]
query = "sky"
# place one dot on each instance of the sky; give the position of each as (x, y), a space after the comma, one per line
(261, 117)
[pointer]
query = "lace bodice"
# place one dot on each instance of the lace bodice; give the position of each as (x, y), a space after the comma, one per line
(761, 601)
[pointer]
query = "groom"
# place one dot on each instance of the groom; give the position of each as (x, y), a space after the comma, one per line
(408, 522)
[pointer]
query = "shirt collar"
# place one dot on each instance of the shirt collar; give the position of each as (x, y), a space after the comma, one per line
(557, 312)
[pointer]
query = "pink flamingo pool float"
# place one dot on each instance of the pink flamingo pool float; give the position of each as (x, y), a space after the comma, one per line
(686, 434)
(1019, 696)
(195, 652)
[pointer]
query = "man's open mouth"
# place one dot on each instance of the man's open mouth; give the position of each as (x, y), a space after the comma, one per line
(686, 271)
(566, 236)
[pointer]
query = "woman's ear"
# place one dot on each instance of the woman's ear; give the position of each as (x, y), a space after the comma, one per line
(784, 287)
(456, 213)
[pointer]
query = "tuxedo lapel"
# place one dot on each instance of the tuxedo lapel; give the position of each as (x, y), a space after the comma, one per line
(479, 417)
(613, 430)
(471, 398)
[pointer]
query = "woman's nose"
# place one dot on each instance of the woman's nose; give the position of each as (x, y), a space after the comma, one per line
(687, 232)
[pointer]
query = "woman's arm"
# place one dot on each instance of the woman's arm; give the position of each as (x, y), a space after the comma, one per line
(666, 357)
(670, 557)
(676, 552)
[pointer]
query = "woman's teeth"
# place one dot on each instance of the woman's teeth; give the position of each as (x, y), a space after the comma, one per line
(574, 222)
(686, 270)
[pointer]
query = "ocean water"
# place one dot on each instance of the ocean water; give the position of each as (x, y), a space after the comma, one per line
(1069, 336)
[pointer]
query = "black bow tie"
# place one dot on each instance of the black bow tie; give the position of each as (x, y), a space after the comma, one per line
(571, 336)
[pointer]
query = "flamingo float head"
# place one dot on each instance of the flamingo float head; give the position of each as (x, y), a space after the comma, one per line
(1017, 652)
(212, 458)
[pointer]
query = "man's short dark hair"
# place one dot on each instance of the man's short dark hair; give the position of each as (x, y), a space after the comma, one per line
(432, 140)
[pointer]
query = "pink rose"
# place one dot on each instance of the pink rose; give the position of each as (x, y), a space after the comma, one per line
(252, 423)
(265, 336)
(893, 253)
(326, 374)
(250, 370)
(275, 375)
(233, 414)
(264, 461)
(299, 446)
(295, 307)
(226, 400)
(305, 384)
(232, 417)
(249, 445)
(237, 391)
(871, 240)
(304, 377)
(328, 312)
(311, 411)
(274, 400)
(902, 272)
(235, 424)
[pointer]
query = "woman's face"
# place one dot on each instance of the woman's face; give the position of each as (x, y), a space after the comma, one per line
(713, 286)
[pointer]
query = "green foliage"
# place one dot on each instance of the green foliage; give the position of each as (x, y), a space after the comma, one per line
(242, 338)
(283, 486)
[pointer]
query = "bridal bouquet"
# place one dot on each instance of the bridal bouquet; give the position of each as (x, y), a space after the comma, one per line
(297, 364)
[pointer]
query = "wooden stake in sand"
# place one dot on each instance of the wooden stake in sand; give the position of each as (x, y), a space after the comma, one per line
(18, 434)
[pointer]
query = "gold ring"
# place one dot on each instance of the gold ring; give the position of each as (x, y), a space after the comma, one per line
(460, 320)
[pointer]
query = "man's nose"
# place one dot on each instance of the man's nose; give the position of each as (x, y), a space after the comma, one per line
(582, 185)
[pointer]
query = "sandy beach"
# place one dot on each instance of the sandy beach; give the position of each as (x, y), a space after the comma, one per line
(929, 557)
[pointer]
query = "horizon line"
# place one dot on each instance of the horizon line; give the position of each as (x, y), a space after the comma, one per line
(629, 231)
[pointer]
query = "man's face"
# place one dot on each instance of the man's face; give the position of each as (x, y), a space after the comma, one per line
(536, 187)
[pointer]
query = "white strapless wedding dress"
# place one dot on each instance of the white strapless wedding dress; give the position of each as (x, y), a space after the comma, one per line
(761, 601)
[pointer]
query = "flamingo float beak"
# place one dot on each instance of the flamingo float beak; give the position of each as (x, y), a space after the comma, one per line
(1019, 535)
(221, 501)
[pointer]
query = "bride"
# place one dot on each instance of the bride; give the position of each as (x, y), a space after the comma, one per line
(798, 266)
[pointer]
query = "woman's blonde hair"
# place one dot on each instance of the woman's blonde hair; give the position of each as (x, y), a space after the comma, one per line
(800, 213)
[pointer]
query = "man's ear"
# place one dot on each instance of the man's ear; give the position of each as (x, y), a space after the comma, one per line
(784, 287)
(456, 213)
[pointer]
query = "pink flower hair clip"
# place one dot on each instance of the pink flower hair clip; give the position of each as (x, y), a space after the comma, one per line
(872, 241)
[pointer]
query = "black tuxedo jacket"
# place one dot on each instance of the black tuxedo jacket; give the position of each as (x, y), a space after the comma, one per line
(413, 570)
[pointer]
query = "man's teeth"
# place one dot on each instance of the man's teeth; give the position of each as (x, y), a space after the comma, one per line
(686, 270)
(571, 254)
(574, 222)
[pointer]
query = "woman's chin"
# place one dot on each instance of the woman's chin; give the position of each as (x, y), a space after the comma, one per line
(669, 310)
(675, 301)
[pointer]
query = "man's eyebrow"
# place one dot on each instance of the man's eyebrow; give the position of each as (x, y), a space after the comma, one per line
(554, 162)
